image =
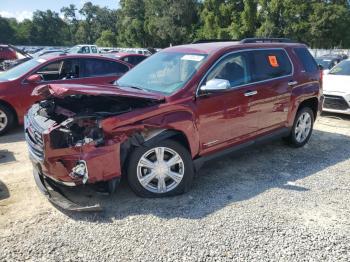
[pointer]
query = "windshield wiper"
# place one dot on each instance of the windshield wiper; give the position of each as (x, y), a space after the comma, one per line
(135, 87)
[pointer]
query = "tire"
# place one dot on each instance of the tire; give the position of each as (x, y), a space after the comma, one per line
(7, 119)
(182, 172)
(302, 128)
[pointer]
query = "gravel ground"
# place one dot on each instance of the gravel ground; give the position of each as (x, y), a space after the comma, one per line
(272, 203)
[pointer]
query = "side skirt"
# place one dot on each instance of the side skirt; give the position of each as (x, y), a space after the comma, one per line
(282, 132)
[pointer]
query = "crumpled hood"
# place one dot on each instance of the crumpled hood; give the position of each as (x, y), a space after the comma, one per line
(63, 90)
(336, 84)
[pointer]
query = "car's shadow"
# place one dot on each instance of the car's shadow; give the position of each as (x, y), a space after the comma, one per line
(227, 180)
(15, 135)
(4, 192)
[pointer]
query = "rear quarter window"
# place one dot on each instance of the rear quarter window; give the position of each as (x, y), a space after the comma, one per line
(306, 59)
(269, 64)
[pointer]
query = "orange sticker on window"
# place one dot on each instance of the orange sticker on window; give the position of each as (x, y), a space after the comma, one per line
(273, 61)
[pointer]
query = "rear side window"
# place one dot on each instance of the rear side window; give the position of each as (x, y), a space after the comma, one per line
(99, 67)
(269, 64)
(306, 59)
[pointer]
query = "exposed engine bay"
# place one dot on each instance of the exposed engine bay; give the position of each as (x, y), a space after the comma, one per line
(77, 117)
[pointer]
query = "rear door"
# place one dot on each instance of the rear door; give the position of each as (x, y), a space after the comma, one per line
(101, 71)
(272, 73)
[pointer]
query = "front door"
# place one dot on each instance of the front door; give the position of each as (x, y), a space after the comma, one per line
(226, 117)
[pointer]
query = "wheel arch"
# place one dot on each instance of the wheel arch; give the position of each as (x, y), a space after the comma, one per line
(312, 103)
(10, 107)
(152, 136)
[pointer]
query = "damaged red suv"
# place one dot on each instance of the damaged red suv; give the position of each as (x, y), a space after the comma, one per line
(177, 109)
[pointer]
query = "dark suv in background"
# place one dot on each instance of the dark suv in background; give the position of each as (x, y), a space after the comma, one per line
(177, 109)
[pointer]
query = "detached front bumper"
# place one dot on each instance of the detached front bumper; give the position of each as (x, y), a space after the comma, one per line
(56, 197)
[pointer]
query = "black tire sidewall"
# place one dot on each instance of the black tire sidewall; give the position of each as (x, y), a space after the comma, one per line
(184, 185)
(10, 119)
(293, 140)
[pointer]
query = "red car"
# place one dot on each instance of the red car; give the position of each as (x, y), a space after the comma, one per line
(179, 108)
(7, 53)
(133, 59)
(17, 84)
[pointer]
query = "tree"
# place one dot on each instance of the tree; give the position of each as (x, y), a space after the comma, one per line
(71, 20)
(7, 33)
(55, 34)
(131, 23)
(107, 39)
(170, 22)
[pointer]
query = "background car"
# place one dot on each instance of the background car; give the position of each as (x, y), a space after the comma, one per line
(7, 53)
(83, 49)
(17, 84)
(336, 89)
(327, 62)
(133, 59)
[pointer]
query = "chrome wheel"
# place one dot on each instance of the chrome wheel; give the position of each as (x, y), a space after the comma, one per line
(3, 120)
(303, 127)
(160, 170)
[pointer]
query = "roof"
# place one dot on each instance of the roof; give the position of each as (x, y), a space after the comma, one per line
(212, 47)
(98, 56)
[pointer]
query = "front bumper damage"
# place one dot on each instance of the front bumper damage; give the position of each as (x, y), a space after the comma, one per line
(49, 188)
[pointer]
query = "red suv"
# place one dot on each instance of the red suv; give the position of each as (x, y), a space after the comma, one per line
(177, 109)
(17, 84)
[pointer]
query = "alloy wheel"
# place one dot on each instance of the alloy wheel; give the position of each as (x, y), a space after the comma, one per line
(303, 127)
(160, 170)
(3, 120)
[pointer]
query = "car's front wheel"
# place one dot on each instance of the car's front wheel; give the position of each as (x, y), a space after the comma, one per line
(302, 127)
(6, 119)
(163, 169)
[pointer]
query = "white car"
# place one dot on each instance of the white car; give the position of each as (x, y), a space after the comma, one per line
(336, 89)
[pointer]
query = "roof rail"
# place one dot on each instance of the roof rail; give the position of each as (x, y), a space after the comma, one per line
(201, 41)
(266, 40)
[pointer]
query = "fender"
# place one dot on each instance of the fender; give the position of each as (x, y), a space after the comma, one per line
(300, 94)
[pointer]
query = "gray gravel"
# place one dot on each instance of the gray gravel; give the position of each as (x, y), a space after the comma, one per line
(272, 203)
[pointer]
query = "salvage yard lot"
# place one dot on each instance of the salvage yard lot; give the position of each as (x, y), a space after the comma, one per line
(267, 203)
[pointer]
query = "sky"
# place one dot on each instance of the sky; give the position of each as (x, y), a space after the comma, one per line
(22, 9)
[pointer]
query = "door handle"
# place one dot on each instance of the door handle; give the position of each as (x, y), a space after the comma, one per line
(250, 93)
(292, 83)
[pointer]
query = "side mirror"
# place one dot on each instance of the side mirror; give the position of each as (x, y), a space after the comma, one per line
(216, 85)
(36, 78)
(320, 67)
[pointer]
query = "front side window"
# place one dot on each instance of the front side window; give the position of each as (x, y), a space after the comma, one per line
(233, 68)
(94, 49)
(60, 70)
(269, 64)
(164, 72)
(343, 68)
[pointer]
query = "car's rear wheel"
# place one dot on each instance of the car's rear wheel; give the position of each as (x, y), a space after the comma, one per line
(163, 169)
(302, 127)
(6, 119)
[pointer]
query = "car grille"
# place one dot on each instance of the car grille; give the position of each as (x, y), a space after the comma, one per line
(33, 135)
(335, 102)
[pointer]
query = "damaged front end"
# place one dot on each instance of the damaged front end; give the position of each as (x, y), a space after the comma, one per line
(68, 145)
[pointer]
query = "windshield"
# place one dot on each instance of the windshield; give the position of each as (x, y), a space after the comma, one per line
(343, 68)
(20, 70)
(163, 72)
(325, 63)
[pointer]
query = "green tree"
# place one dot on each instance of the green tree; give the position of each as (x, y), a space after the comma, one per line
(107, 39)
(7, 33)
(170, 22)
(131, 23)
